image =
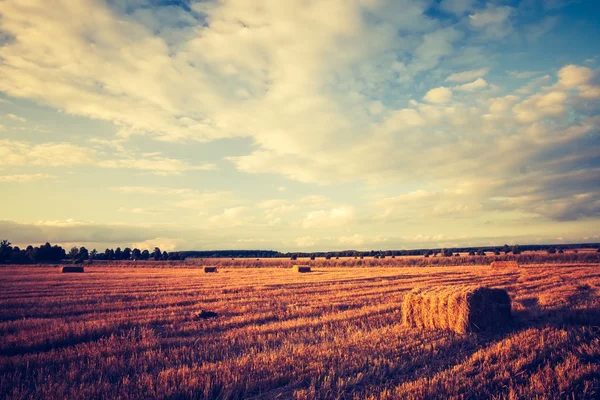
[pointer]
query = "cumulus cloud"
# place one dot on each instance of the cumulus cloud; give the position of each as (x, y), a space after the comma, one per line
(327, 218)
(472, 86)
(21, 153)
(24, 178)
(438, 95)
(466, 76)
(494, 21)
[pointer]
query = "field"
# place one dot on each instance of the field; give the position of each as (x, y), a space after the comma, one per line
(118, 332)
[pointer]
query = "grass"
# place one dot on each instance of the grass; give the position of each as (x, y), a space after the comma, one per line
(334, 333)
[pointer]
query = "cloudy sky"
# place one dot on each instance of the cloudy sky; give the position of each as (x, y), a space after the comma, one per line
(299, 125)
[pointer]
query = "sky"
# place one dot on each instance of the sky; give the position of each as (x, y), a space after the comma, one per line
(299, 125)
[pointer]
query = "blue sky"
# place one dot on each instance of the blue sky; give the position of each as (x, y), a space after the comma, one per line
(299, 125)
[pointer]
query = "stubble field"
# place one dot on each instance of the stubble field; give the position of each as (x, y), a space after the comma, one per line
(334, 333)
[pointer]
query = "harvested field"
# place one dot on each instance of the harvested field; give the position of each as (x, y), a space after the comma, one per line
(504, 264)
(334, 333)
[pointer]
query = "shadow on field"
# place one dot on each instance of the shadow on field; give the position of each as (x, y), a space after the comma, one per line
(536, 317)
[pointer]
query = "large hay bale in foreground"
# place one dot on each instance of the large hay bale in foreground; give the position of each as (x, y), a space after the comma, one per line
(302, 268)
(461, 309)
(210, 269)
(504, 264)
(68, 269)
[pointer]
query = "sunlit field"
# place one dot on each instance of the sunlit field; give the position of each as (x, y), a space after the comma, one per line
(120, 332)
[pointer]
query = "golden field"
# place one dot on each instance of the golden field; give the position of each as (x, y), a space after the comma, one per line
(337, 332)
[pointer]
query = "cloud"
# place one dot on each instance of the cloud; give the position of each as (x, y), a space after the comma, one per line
(472, 86)
(15, 118)
(533, 109)
(494, 21)
(327, 218)
(458, 7)
(438, 95)
(165, 191)
(24, 178)
(466, 76)
(21, 153)
(140, 210)
(231, 217)
(305, 241)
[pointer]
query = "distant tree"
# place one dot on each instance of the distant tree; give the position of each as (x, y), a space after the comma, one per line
(156, 254)
(118, 254)
(294, 257)
(456, 255)
(598, 251)
(446, 252)
(551, 250)
(481, 252)
(83, 254)
(560, 251)
(496, 252)
(5, 250)
(328, 257)
(107, 254)
(471, 253)
(516, 249)
(127, 253)
(74, 253)
(165, 255)
(506, 249)
(312, 256)
(575, 251)
(145, 255)
(136, 254)
(93, 254)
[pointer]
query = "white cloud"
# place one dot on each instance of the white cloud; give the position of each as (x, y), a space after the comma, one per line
(535, 108)
(494, 21)
(21, 153)
(438, 95)
(15, 118)
(140, 210)
(472, 86)
(24, 178)
(230, 217)
(154, 190)
(466, 76)
(327, 218)
(305, 241)
(208, 200)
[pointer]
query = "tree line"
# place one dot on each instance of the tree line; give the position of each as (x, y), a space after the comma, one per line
(53, 254)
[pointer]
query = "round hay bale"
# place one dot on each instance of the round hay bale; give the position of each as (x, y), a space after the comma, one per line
(461, 309)
(302, 268)
(72, 268)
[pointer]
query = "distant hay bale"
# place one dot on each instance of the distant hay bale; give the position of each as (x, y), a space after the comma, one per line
(504, 264)
(72, 269)
(461, 309)
(302, 268)
(210, 269)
